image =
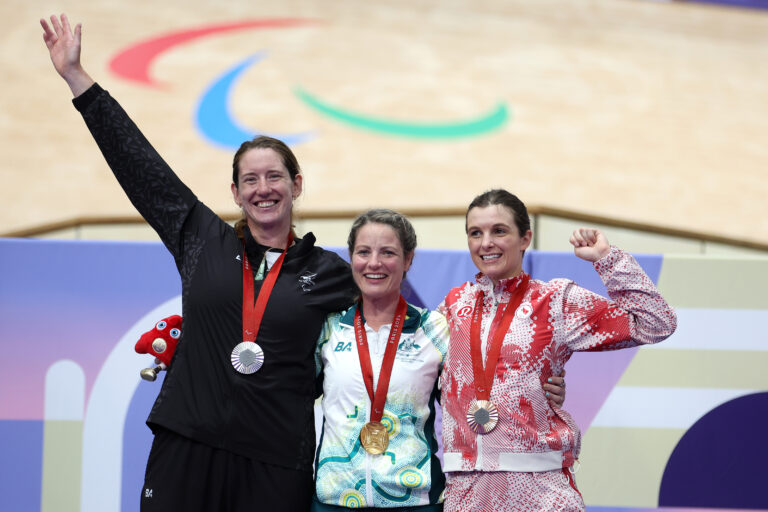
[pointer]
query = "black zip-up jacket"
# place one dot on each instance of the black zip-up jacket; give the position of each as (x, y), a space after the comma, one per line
(268, 415)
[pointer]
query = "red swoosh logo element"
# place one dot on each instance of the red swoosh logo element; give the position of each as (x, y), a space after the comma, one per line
(133, 63)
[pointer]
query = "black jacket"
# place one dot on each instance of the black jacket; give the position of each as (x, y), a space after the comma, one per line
(268, 415)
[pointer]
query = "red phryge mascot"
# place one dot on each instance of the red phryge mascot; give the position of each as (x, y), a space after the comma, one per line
(160, 342)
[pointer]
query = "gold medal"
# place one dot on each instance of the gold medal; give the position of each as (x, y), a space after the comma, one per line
(482, 416)
(374, 437)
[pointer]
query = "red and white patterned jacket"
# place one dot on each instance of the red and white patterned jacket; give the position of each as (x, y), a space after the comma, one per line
(555, 319)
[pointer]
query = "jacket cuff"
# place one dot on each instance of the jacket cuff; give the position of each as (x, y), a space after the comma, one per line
(608, 261)
(83, 101)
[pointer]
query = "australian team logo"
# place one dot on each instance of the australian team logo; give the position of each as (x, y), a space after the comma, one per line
(408, 345)
(408, 350)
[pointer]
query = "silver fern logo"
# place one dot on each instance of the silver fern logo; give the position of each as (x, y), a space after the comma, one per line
(307, 280)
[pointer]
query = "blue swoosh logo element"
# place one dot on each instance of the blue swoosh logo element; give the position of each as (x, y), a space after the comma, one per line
(214, 117)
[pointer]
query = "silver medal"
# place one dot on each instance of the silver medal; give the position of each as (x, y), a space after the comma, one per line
(247, 357)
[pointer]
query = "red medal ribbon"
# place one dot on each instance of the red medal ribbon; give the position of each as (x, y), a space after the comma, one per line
(380, 398)
(253, 313)
(484, 376)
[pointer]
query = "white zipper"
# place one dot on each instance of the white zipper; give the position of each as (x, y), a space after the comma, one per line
(368, 486)
(378, 351)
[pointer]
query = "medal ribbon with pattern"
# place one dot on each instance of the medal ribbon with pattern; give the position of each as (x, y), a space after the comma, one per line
(373, 436)
(247, 357)
(482, 415)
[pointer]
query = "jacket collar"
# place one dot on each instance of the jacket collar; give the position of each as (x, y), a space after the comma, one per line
(411, 324)
(505, 286)
(255, 250)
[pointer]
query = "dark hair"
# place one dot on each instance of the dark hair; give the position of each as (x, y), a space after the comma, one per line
(502, 197)
(396, 220)
(263, 142)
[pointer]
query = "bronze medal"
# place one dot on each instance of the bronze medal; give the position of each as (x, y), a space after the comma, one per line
(482, 416)
(374, 437)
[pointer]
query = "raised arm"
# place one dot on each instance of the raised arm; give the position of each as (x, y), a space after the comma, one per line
(636, 313)
(64, 48)
(153, 188)
(590, 244)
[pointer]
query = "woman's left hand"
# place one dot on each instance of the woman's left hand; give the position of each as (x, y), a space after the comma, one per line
(555, 390)
(590, 244)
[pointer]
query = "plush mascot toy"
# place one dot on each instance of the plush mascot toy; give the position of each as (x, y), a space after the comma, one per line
(160, 342)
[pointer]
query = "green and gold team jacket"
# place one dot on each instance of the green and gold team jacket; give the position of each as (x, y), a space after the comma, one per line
(408, 473)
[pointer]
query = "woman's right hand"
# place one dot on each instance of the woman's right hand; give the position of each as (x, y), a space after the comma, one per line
(555, 390)
(64, 48)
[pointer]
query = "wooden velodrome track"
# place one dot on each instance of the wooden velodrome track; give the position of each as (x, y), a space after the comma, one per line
(644, 111)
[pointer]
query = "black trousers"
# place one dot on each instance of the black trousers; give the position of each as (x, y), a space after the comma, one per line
(183, 474)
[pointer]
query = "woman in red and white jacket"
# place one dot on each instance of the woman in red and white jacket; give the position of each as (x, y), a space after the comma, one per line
(505, 447)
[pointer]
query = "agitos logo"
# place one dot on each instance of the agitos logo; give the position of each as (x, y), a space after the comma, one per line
(216, 123)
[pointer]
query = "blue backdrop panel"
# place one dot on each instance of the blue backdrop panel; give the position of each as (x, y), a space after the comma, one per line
(21, 463)
(79, 300)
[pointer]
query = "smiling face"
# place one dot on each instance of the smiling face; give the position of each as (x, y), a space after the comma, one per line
(265, 190)
(379, 262)
(494, 241)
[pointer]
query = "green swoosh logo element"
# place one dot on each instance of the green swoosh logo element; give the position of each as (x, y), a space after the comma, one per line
(467, 128)
(390, 497)
(339, 458)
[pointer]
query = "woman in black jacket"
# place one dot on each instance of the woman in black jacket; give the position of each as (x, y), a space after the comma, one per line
(233, 422)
